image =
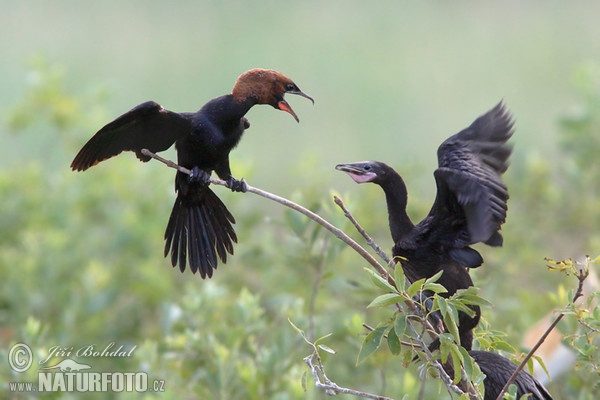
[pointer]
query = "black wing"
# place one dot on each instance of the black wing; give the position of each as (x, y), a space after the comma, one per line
(469, 176)
(498, 369)
(147, 125)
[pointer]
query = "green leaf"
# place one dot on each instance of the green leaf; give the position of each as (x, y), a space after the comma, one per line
(407, 357)
(415, 287)
(456, 362)
(434, 287)
(300, 331)
(468, 363)
(326, 348)
(381, 282)
(445, 343)
(511, 393)
(371, 343)
(459, 306)
(385, 300)
(471, 296)
(323, 338)
(394, 342)
(503, 346)
(400, 324)
(435, 277)
(399, 276)
(442, 305)
(540, 361)
(451, 321)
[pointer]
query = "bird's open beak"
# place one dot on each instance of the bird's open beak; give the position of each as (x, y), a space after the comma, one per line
(356, 172)
(285, 106)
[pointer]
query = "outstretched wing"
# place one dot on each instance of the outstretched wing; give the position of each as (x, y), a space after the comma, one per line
(469, 176)
(147, 125)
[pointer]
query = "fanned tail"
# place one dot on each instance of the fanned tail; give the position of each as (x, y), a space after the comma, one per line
(199, 231)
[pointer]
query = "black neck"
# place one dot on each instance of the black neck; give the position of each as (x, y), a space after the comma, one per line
(235, 109)
(396, 198)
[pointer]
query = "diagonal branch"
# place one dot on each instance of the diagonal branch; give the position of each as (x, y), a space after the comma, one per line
(364, 233)
(328, 386)
(281, 200)
(541, 340)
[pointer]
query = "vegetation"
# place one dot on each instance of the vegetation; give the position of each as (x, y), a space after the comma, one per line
(81, 253)
(82, 265)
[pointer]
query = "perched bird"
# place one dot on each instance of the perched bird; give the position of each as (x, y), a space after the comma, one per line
(200, 226)
(470, 206)
(498, 370)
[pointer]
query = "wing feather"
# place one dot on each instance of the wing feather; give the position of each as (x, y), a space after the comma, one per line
(147, 125)
(470, 167)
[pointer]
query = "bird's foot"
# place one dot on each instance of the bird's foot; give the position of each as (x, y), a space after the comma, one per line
(237, 185)
(199, 175)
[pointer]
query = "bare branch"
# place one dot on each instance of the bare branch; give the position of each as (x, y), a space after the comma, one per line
(581, 277)
(331, 388)
(281, 200)
(360, 230)
(318, 370)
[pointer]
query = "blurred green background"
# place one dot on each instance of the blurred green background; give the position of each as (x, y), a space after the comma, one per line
(81, 253)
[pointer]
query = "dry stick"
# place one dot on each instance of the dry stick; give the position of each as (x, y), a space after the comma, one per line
(281, 200)
(364, 233)
(512, 378)
(331, 388)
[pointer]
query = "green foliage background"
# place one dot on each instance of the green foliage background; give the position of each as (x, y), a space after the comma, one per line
(81, 254)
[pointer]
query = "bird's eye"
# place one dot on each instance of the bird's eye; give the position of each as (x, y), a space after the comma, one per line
(290, 87)
(367, 167)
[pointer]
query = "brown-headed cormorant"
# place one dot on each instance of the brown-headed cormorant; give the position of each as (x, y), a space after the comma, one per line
(200, 227)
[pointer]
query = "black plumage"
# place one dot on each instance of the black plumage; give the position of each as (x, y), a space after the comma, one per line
(470, 206)
(498, 370)
(200, 228)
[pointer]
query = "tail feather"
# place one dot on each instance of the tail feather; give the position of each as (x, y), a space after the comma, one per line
(224, 236)
(199, 232)
(202, 244)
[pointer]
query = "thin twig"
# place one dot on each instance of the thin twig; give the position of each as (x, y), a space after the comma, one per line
(451, 387)
(331, 388)
(541, 340)
(382, 254)
(281, 200)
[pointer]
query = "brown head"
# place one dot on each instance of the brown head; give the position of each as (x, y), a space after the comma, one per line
(267, 87)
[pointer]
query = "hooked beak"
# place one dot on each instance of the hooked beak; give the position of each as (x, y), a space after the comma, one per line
(357, 172)
(285, 106)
